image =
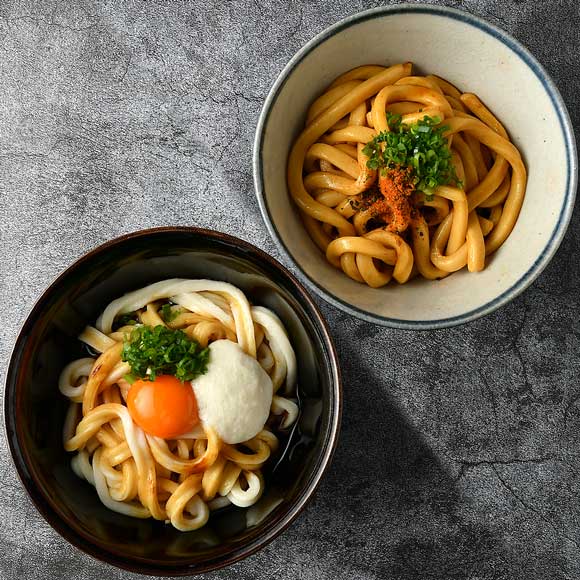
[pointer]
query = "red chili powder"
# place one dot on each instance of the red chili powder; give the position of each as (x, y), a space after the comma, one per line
(394, 208)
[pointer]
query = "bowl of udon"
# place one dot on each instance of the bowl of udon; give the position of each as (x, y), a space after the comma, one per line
(416, 165)
(172, 401)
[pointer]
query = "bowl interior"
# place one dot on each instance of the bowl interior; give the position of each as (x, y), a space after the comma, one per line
(35, 409)
(458, 48)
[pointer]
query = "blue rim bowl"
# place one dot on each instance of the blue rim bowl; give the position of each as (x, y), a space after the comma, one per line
(553, 239)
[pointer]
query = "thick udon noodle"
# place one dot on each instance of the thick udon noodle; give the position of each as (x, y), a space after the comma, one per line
(180, 480)
(327, 168)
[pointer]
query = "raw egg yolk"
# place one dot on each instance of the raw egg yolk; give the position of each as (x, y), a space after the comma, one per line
(165, 407)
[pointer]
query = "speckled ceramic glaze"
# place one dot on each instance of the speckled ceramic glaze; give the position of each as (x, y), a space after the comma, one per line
(35, 409)
(476, 57)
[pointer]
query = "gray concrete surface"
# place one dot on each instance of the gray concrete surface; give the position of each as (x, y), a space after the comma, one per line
(460, 452)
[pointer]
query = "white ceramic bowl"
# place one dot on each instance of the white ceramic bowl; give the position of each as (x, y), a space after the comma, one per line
(477, 57)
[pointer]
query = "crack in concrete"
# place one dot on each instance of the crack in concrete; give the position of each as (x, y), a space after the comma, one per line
(531, 508)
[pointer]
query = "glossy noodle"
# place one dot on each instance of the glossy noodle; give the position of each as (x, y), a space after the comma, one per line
(178, 479)
(374, 223)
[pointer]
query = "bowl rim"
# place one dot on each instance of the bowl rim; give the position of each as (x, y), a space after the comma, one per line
(143, 566)
(550, 88)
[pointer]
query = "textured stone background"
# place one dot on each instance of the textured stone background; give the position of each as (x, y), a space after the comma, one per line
(460, 450)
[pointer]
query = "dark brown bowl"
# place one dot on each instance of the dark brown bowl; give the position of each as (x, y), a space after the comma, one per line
(34, 408)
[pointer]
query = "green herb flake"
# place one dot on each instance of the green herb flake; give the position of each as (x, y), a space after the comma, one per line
(153, 351)
(129, 319)
(420, 146)
(168, 313)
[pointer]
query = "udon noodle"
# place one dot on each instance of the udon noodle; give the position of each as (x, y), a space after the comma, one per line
(177, 480)
(459, 225)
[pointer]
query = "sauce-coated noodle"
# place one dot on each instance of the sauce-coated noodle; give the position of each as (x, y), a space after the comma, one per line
(328, 172)
(178, 480)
